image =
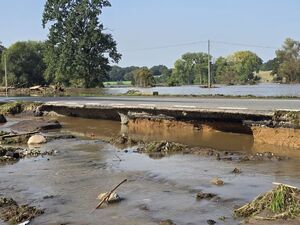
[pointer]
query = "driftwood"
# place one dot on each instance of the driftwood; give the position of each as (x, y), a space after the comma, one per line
(17, 135)
(106, 198)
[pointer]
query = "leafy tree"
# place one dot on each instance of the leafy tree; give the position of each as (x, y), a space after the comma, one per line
(25, 63)
(159, 70)
(143, 78)
(271, 64)
(78, 51)
(245, 64)
(224, 71)
(289, 61)
(190, 68)
(116, 73)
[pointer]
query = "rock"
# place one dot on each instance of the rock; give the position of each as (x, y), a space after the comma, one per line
(2, 119)
(36, 139)
(208, 196)
(167, 222)
(236, 171)
(217, 181)
(114, 197)
(211, 222)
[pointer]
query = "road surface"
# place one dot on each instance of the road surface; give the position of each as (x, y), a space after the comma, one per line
(173, 102)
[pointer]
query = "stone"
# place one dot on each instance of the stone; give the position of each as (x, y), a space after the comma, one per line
(211, 222)
(217, 181)
(202, 195)
(114, 197)
(36, 139)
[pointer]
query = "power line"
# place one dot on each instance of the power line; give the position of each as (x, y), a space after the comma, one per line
(198, 42)
(165, 46)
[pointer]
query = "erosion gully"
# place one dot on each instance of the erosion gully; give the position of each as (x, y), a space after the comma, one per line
(66, 185)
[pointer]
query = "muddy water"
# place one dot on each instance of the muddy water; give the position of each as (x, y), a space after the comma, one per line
(67, 184)
(105, 129)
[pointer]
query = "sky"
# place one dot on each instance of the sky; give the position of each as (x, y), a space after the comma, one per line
(153, 32)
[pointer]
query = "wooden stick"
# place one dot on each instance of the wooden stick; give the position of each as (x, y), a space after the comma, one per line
(106, 198)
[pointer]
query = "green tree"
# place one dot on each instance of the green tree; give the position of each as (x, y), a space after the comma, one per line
(190, 68)
(246, 63)
(159, 70)
(224, 71)
(270, 65)
(143, 78)
(78, 51)
(25, 63)
(289, 61)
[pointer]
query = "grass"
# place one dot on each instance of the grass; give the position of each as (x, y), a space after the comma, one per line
(282, 202)
(13, 108)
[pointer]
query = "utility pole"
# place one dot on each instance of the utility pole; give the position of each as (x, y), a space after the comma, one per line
(5, 69)
(208, 66)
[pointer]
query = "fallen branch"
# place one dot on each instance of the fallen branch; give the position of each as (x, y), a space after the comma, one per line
(106, 198)
(17, 135)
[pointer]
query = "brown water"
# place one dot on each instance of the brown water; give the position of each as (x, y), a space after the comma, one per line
(167, 187)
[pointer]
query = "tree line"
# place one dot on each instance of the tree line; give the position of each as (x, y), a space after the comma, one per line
(240, 67)
(79, 53)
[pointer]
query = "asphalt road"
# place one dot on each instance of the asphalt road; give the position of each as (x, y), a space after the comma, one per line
(180, 102)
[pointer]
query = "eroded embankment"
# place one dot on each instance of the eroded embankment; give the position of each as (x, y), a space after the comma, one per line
(279, 128)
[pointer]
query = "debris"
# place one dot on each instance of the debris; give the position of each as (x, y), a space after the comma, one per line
(16, 138)
(162, 147)
(13, 213)
(105, 199)
(236, 171)
(123, 140)
(202, 195)
(282, 202)
(36, 139)
(217, 181)
(36, 88)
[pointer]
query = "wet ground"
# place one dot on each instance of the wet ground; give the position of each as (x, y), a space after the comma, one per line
(67, 184)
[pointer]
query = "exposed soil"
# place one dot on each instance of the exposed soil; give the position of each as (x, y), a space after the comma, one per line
(13, 213)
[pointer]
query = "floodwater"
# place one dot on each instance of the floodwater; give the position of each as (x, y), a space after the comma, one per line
(67, 184)
(262, 89)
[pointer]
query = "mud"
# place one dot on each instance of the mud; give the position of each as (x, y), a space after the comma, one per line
(31, 125)
(277, 136)
(13, 213)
